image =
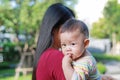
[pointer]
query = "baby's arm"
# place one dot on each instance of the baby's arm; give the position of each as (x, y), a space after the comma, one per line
(76, 73)
(67, 67)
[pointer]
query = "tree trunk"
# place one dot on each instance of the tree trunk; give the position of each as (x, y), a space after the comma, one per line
(113, 50)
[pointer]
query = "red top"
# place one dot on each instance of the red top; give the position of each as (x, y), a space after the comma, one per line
(50, 66)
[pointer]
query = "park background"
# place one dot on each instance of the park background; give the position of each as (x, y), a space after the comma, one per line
(19, 27)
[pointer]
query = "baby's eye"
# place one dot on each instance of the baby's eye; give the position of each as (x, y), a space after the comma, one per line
(63, 45)
(73, 44)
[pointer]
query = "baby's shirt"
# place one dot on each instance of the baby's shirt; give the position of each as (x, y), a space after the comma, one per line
(86, 69)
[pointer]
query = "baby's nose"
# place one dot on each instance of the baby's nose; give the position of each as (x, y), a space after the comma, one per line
(68, 48)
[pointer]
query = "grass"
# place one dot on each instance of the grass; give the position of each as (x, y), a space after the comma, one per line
(9, 73)
(27, 77)
(100, 67)
(101, 58)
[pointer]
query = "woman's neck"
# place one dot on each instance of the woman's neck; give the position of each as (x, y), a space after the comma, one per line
(55, 46)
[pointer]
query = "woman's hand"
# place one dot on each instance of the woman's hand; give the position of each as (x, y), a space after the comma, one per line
(107, 77)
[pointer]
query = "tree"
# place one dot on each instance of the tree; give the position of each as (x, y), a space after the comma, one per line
(99, 29)
(109, 24)
(25, 17)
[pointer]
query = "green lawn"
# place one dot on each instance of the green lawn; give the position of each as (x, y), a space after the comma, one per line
(28, 77)
(7, 73)
(101, 58)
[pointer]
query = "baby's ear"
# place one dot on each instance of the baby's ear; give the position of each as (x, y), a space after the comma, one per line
(86, 42)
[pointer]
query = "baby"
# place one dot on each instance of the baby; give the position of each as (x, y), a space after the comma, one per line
(78, 63)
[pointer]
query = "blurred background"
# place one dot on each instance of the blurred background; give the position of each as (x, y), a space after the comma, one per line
(19, 26)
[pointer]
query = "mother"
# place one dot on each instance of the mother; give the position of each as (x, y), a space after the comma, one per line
(48, 58)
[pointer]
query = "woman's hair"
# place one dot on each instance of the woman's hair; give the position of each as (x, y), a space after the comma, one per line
(55, 15)
(73, 24)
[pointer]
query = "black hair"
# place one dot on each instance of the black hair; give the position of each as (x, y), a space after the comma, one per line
(55, 15)
(73, 24)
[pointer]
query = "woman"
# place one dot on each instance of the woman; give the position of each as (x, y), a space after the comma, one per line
(48, 58)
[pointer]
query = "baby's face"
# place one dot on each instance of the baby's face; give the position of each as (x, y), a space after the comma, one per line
(72, 43)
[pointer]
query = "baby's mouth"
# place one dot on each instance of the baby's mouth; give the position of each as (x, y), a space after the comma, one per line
(70, 54)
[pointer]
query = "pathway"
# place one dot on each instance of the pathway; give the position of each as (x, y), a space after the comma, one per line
(113, 69)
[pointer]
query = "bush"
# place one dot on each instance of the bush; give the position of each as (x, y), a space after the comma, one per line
(108, 57)
(9, 52)
(102, 69)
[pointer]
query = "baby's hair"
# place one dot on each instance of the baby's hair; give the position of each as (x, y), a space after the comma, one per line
(73, 24)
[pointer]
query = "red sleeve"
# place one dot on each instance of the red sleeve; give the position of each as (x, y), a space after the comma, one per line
(50, 66)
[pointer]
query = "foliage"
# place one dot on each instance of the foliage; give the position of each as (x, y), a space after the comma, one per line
(101, 58)
(5, 71)
(99, 29)
(6, 65)
(109, 24)
(101, 67)
(25, 17)
(10, 53)
(107, 57)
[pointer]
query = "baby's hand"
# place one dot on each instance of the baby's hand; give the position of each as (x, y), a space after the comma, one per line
(67, 67)
(67, 60)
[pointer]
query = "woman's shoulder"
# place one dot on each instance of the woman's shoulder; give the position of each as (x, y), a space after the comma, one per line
(52, 53)
(50, 57)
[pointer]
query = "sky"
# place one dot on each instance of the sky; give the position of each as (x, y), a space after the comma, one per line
(90, 10)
